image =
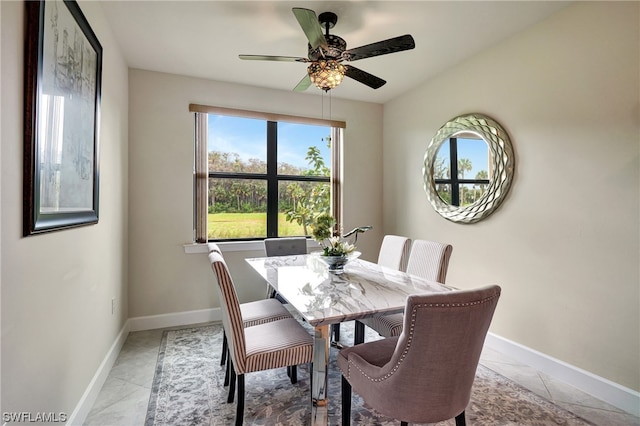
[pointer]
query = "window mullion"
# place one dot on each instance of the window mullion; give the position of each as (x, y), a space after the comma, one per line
(455, 183)
(272, 179)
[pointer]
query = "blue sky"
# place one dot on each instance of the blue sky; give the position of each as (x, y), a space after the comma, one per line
(473, 149)
(247, 137)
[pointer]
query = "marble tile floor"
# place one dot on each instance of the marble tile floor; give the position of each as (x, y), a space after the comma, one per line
(124, 397)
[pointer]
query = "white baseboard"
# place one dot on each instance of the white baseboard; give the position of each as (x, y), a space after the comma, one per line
(174, 319)
(617, 395)
(151, 322)
(90, 395)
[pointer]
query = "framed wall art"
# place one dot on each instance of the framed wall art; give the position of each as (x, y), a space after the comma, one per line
(63, 68)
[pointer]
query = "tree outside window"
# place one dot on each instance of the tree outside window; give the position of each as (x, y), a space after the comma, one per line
(266, 178)
(457, 159)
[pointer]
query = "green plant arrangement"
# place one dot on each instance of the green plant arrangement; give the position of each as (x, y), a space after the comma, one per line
(332, 245)
(336, 252)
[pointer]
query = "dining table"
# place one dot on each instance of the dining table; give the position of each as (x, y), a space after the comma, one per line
(323, 298)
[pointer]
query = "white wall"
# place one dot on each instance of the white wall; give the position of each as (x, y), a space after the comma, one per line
(56, 321)
(565, 244)
(163, 279)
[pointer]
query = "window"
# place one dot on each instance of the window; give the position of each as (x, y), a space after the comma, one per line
(266, 175)
(458, 159)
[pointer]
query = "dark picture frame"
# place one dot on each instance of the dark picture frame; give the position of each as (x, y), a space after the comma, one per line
(63, 78)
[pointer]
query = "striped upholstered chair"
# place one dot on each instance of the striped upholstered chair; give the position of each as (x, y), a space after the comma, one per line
(253, 313)
(429, 260)
(424, 375)
(275, 344)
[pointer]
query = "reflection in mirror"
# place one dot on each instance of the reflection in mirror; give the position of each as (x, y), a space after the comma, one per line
(461, 169)
(468, 168)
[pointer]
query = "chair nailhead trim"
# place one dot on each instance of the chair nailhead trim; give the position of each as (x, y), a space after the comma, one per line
(411, 330)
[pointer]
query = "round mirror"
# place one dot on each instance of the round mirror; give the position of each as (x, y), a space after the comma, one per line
(468, 168)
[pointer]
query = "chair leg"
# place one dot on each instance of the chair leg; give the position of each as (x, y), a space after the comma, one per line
(223, 357)
(460, 420)
(227, 372)
(358, 335)
(336, 332)
(232, 383)
(240, 406)
(346, 402)
(294, 374)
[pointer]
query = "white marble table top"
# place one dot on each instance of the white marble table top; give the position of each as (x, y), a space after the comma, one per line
(322, 298)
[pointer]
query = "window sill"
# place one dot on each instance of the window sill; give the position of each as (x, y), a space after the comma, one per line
(231, 246)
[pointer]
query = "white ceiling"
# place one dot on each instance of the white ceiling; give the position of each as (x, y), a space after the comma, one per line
(203, 38)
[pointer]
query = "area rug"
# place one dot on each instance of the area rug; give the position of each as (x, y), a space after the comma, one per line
(188, 390)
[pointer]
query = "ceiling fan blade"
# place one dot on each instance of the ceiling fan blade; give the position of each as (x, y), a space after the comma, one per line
(392, 45)
(273, 58)
(311, 27)
(364, 77)
(303, 85)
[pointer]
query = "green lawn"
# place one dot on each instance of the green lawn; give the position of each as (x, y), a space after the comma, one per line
(247, 225)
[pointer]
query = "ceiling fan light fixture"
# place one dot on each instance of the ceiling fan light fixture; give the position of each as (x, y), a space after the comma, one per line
(326, 75)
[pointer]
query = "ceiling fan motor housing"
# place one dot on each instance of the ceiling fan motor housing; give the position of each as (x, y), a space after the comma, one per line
(325, 69)
(336, 45)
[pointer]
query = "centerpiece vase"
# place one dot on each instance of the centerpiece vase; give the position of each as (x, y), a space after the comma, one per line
(336, 264)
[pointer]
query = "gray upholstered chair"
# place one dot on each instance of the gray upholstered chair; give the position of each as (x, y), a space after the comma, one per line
(275, 344)
(253, 313)
(424, 375)
(427, 259)
(288, 246)
(285, 246)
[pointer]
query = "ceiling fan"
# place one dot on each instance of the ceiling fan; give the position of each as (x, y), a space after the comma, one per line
(328, 51)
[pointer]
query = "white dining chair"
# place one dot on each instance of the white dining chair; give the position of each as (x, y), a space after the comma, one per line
(427, 259)
(394, 252)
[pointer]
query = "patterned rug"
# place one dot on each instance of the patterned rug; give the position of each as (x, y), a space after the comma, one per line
(188, 390)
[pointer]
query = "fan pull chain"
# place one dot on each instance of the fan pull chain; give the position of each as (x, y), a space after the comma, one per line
(323, 94)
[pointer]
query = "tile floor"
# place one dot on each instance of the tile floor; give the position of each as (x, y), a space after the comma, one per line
(125, 394)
